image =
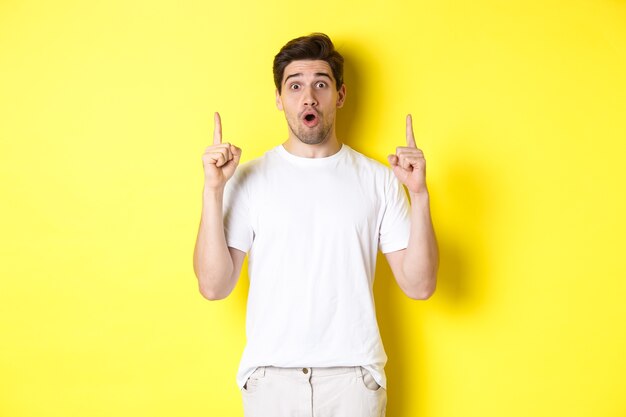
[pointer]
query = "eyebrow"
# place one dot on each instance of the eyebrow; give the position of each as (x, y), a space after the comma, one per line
(299, 74)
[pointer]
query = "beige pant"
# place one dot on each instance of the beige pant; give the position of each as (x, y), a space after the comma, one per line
(313, 392)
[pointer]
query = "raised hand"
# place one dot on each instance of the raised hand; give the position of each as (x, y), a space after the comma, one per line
(220, 159)
(408, 163)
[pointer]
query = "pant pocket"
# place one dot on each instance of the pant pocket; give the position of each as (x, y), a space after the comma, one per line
(369, 381)
(252, 384)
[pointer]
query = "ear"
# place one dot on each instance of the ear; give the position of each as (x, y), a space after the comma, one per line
(279, 102)
(341, 96)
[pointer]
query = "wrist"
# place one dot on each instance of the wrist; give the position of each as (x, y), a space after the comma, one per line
(213, 192)
(421, 195)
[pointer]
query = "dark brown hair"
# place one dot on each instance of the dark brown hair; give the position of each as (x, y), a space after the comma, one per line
(316, 46)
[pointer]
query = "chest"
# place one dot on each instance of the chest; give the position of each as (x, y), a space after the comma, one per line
(310, 202)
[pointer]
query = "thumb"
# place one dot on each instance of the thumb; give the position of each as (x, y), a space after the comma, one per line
(400, 173)
(393, 160)
(236, 153)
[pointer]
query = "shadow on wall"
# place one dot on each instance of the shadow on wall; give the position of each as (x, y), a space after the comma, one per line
(462, 280)
(348, 115)
(469, 189)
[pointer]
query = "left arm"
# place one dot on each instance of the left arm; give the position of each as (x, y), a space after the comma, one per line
(415, 268)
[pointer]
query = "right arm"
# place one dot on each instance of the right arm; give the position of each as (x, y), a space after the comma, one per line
(216, 265)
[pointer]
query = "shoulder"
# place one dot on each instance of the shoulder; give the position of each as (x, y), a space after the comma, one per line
(247, 171)
(369, 164)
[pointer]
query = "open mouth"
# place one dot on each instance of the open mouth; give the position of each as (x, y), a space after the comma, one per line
(310, 119)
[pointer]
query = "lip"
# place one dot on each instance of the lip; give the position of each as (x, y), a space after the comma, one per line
(313, 122)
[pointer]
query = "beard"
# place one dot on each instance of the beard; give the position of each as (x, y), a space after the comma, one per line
(309, 136)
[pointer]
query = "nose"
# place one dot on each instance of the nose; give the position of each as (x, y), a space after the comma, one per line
(309, 98)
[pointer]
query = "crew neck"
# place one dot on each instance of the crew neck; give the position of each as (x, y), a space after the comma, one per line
(312, 162)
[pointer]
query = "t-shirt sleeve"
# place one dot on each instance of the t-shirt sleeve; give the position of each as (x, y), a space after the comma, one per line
(237, 225)
(396, 222)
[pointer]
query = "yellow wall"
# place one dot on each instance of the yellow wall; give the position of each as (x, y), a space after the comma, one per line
(106, 108)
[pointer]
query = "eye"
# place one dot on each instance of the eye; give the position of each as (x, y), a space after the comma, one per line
(320, 84)
(294, 86)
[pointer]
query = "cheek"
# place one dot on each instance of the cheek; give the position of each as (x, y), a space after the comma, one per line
(289, 104)
(332, 99)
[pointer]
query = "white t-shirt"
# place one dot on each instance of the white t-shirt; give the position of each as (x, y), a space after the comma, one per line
(312, 228)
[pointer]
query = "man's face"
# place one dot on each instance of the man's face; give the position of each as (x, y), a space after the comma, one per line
(310, 100)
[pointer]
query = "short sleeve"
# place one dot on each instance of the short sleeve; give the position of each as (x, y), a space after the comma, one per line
(396, 222)
(237, 225)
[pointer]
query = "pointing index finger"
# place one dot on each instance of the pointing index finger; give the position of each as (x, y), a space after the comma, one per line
(410, 138)
(217, 129)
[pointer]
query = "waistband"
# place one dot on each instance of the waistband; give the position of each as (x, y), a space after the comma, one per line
(309, 372)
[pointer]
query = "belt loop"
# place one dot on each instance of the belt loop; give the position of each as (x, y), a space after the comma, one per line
(262, 370)
(359, 371)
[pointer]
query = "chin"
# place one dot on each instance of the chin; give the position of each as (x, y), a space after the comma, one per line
(313, 141)
(311, 138)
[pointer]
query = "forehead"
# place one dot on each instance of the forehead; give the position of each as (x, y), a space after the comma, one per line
(308, 68)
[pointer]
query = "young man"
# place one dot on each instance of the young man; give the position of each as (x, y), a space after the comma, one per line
(312, 213)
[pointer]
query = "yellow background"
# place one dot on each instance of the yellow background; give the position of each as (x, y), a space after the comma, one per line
(106, 108)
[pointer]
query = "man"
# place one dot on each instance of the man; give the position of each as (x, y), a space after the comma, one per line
(312, 213)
